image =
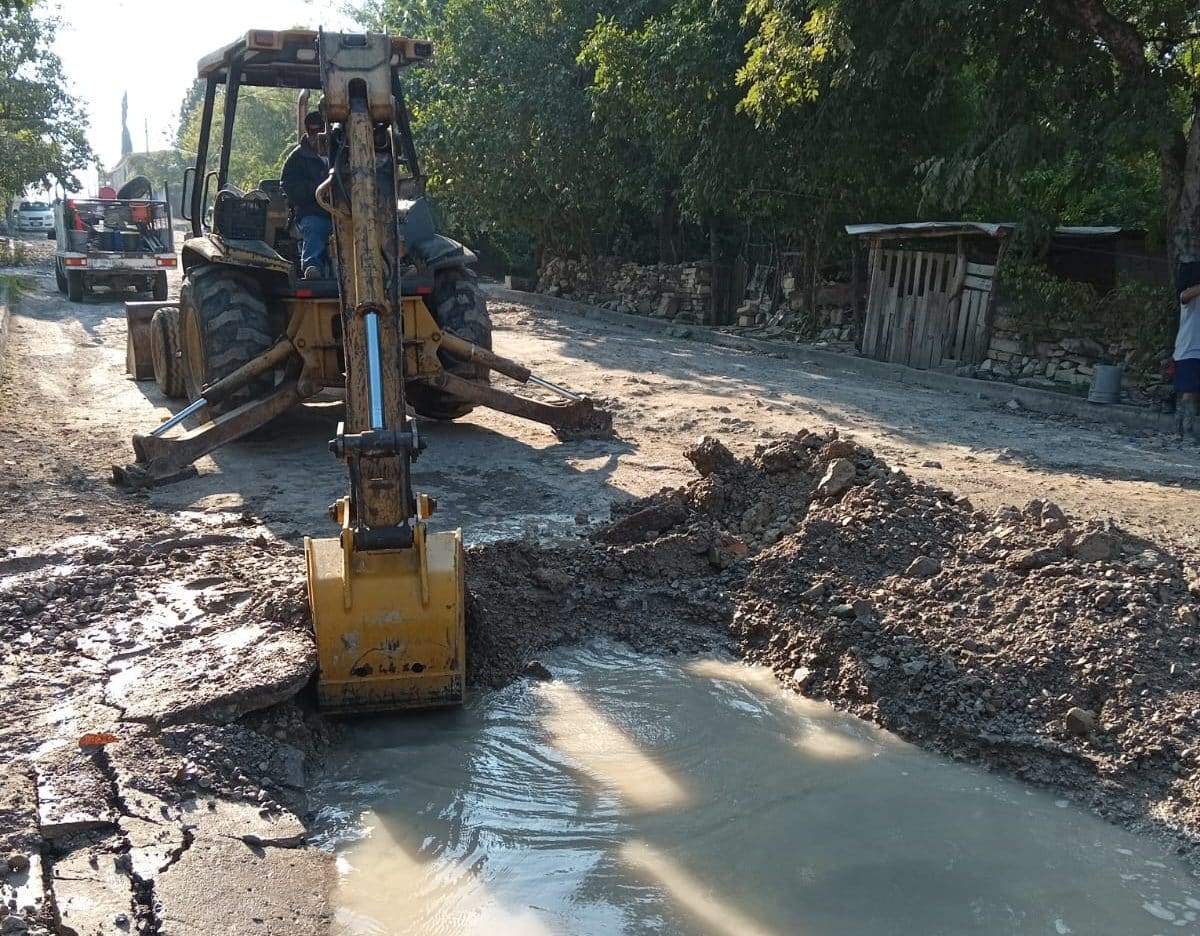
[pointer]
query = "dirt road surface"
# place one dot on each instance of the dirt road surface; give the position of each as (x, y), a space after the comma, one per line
(158, 561)
(67, 411)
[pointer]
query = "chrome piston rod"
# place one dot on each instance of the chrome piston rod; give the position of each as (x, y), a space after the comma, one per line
(374, 371)
(555, 388)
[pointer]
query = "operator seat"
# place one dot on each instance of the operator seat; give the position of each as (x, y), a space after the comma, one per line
(282, 233)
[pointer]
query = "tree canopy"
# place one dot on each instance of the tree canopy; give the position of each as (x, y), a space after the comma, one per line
(264, 131)
(1067, 110)
(648, 127)
(42, 128)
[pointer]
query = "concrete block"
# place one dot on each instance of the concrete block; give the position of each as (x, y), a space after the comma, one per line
(223, 885)
(153, 846)
(207, 674)
(249, 822)
(93, 891)
(74, 794)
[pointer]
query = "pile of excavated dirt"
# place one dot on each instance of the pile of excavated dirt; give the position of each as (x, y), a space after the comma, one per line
(1067, 654)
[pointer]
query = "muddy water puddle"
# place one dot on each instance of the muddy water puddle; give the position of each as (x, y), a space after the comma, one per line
(638, 795)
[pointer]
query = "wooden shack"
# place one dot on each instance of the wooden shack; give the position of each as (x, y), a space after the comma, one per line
(930, 289)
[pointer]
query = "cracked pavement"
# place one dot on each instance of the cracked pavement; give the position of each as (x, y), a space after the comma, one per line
(188, 821)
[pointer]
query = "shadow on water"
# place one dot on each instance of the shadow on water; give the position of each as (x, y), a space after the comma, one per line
(639, 795)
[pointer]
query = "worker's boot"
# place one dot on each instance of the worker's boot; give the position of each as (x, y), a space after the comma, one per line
(1186, 423)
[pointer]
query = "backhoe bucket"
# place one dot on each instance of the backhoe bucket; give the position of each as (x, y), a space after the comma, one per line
(389, 624)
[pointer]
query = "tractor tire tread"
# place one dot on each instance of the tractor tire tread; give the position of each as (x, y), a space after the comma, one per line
(459, 306)
(227, 309)
(166, 350)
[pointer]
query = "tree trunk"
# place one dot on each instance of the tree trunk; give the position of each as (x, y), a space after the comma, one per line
(715, 281)
(666, 229)
(1180, 155)
(1181, 187)
(1125, 44)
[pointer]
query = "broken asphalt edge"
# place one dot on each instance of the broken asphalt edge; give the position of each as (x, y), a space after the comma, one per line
(1030, 398)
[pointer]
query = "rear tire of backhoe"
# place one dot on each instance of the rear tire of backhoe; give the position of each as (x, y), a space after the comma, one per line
(223, 324)
(166, 350)
(158, 286)
(458, 305)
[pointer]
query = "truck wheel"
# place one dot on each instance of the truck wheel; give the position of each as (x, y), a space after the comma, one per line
(223, 325)
(160, 286)
(167, 352)
(75, 285)
(458, 305)
(60, 276)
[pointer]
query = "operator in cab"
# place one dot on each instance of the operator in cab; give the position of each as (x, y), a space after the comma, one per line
(303, 170)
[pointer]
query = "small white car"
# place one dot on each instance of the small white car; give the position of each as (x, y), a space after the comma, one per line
(35, 216)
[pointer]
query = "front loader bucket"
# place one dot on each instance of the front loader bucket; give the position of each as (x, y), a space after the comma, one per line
(389, 624)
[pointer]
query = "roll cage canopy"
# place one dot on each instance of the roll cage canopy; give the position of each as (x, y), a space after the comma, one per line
(288, 58)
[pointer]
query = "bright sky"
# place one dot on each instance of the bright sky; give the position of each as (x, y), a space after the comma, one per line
(150, 49)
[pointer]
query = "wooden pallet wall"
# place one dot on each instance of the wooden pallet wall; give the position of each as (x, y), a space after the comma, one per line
(926, 307)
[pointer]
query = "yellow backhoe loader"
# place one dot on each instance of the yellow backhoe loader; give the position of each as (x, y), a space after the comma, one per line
(401, 322)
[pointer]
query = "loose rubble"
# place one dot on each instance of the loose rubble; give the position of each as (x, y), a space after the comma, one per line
(173, 654)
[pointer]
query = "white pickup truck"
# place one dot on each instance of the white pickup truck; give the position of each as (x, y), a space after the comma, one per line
(113, 242)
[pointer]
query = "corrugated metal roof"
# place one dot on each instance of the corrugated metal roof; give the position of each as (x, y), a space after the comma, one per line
(951, 228)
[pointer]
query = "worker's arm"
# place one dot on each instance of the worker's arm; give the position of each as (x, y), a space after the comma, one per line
(1189, 294)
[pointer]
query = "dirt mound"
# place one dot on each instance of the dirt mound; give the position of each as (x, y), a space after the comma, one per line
(525, 598)
(1066, 653)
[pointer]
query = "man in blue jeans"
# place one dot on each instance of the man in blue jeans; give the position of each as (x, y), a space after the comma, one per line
(1187, 351)
(305, 169)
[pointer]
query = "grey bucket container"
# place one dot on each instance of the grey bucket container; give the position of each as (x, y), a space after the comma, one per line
(1106, 384)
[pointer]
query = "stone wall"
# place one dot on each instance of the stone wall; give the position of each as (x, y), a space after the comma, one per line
(682, 292)
(834, 321)
(1065, 359)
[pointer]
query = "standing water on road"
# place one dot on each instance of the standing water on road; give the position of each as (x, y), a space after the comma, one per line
(641, 795)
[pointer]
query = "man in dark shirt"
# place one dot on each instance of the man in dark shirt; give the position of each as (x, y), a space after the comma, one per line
(305, 169)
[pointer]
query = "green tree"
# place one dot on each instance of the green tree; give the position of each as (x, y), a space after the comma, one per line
(504, 120)
(126, 139)
(665, 108)
(1061, 104)
(42, 128)
(264, 131)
